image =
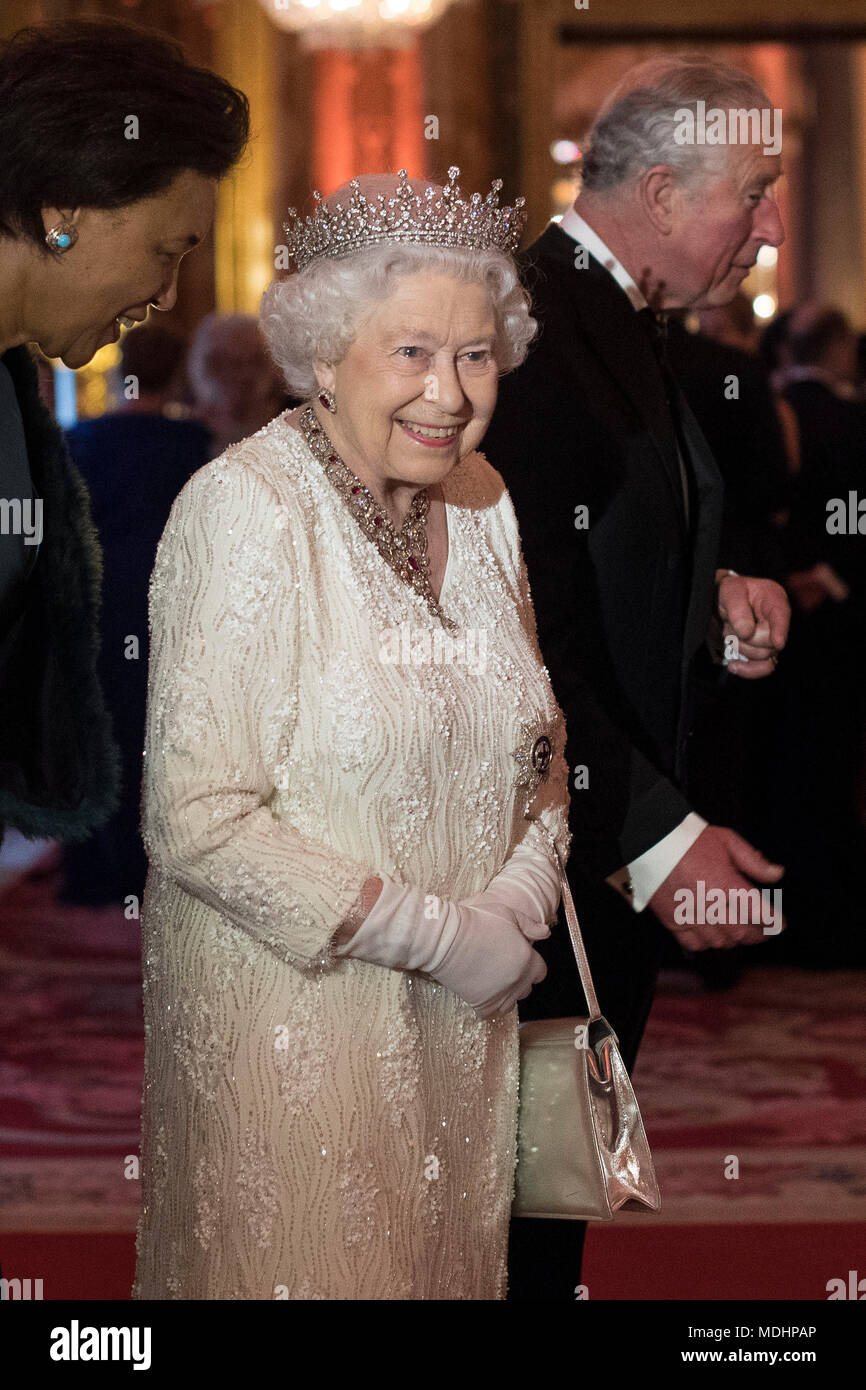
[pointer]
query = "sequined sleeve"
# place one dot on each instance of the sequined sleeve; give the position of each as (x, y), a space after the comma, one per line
(549, 809)
(222, 703)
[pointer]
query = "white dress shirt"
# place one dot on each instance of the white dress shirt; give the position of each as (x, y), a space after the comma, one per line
(638, 880)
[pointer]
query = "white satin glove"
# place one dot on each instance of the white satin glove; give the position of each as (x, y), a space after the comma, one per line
(480, 951)
(528, 883)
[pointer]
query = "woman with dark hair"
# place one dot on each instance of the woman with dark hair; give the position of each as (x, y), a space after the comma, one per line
(112, 148)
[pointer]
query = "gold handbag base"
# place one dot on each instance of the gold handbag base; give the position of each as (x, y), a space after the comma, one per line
(582, 1150)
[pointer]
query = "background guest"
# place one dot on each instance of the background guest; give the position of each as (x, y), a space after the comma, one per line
(234, 385)
(816, 823)
(732, 324)
(135, 461)
(774, 351)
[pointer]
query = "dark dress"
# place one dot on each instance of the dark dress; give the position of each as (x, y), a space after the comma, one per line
(134, 466)
(59, 770)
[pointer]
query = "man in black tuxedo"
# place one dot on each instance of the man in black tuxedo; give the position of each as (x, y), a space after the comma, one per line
(619, 504)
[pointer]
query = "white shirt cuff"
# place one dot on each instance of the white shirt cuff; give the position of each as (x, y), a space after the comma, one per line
(640, 879)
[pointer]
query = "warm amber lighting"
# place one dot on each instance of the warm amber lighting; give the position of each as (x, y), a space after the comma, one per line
(354, 23)
(564, 191)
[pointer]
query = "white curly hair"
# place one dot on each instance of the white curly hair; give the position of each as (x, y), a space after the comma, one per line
(317, 313)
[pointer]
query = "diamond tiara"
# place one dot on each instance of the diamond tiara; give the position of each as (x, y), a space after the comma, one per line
(425, 219)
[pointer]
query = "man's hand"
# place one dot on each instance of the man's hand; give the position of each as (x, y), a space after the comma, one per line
(718, 859)
(757, 613)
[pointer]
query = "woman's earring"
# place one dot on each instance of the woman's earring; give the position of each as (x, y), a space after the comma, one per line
(61, 238)
(326, 397)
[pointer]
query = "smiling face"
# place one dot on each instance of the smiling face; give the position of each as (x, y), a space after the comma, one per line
(721, 227)
(123, 259)
(416, 389)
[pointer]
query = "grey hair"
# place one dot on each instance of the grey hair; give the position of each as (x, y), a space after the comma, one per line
(317, 313)
(634, 130)
(212, 327)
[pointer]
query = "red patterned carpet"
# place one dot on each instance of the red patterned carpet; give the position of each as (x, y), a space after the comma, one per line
(71, 1049)
(766, 1081)
(772, 1075)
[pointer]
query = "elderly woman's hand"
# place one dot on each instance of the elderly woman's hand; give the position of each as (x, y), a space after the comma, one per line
(480, 948)
(527, 884)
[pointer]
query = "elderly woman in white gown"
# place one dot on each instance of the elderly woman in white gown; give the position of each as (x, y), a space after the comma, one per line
(355, 792)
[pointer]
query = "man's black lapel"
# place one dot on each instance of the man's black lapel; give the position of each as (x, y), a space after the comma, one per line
(709, 487)
(607, 321)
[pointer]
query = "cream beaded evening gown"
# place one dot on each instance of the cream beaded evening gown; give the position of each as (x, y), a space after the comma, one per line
(317, 1127)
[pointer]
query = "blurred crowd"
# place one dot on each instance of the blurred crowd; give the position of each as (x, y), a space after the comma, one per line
(784, 410)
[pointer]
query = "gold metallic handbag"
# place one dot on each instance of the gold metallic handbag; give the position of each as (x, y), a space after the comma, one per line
(582, 1153)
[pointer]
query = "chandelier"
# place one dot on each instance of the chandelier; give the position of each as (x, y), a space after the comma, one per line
(355, 23)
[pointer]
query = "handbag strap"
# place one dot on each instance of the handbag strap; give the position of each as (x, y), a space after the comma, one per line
(577, 942)
(573, 926)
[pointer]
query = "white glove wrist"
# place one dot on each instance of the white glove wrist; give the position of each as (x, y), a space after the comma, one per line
(528, 884)
(398, 933)
(481, 952)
